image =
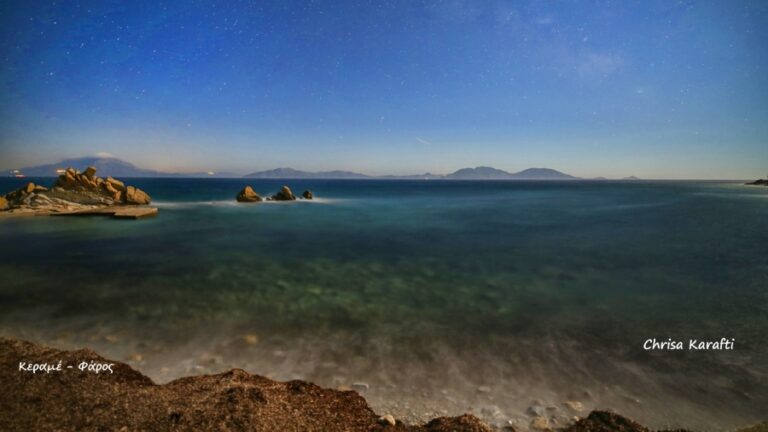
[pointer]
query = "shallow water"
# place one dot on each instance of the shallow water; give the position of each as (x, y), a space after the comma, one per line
(441, 297)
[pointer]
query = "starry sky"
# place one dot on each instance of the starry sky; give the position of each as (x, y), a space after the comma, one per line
(655, 89)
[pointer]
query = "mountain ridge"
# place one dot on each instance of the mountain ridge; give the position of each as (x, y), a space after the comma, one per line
(108, 166)
(112, 166)
(477, 173)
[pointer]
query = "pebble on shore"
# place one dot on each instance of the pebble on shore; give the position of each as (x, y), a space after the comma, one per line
(387, 420)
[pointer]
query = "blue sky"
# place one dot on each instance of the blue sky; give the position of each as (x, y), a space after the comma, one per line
(653, 89)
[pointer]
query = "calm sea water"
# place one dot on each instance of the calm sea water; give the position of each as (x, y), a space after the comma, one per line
(429, 297)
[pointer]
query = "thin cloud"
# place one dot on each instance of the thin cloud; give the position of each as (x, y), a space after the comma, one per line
(423, 141)
(598, 65)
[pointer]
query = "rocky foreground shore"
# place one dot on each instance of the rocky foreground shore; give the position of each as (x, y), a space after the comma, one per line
(78, 193)
(50, 389)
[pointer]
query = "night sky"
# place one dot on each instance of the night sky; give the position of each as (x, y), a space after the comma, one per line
(656, 89)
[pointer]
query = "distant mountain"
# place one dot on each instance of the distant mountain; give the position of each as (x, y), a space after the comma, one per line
(111, 166)
(541, 174)
(488, 173)
(479, 173)
(290, 173)
(631, 178)
(425, 176)
(108, 166)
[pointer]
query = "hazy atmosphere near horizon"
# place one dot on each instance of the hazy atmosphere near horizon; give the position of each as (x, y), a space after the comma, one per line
(654, 89)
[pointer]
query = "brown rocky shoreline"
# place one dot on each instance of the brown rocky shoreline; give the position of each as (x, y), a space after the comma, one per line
(50, 389)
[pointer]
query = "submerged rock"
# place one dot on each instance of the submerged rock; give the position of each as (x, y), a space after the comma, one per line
(307, 194)
(540, 424)
(248, 195)
(575, 406)
(536, 410)
(285, 194)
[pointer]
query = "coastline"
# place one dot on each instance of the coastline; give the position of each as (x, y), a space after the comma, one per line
(42, 385)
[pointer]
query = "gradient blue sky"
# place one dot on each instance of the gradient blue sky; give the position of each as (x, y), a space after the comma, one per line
(656, 89)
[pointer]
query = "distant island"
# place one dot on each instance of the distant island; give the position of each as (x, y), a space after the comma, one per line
(478, 173)
(109, 166)
(290, 173)
(115, 167)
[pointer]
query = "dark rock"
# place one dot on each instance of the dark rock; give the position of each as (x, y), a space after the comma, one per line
(603, 421)
(248, 195)
(307, 194)
(463, 423)
(285, 194)
(760, 182)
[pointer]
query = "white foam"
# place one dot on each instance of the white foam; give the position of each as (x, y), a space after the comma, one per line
(233, 202)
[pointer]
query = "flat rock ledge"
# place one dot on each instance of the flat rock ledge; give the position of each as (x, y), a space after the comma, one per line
(126, 400)
(114, 211)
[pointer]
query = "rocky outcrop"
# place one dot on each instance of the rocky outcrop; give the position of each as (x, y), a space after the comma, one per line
(249, 195)
(73, 192)
(51, 389)
(124, 399)
(88, 183)
(285, 194)
(760, 182)
(136, 196)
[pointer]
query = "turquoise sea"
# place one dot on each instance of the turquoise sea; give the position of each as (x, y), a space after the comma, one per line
(428, 297)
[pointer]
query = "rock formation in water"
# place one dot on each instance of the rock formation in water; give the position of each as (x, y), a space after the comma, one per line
(248, 195)
(759, 182)
(73, 192)
(285, 194)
